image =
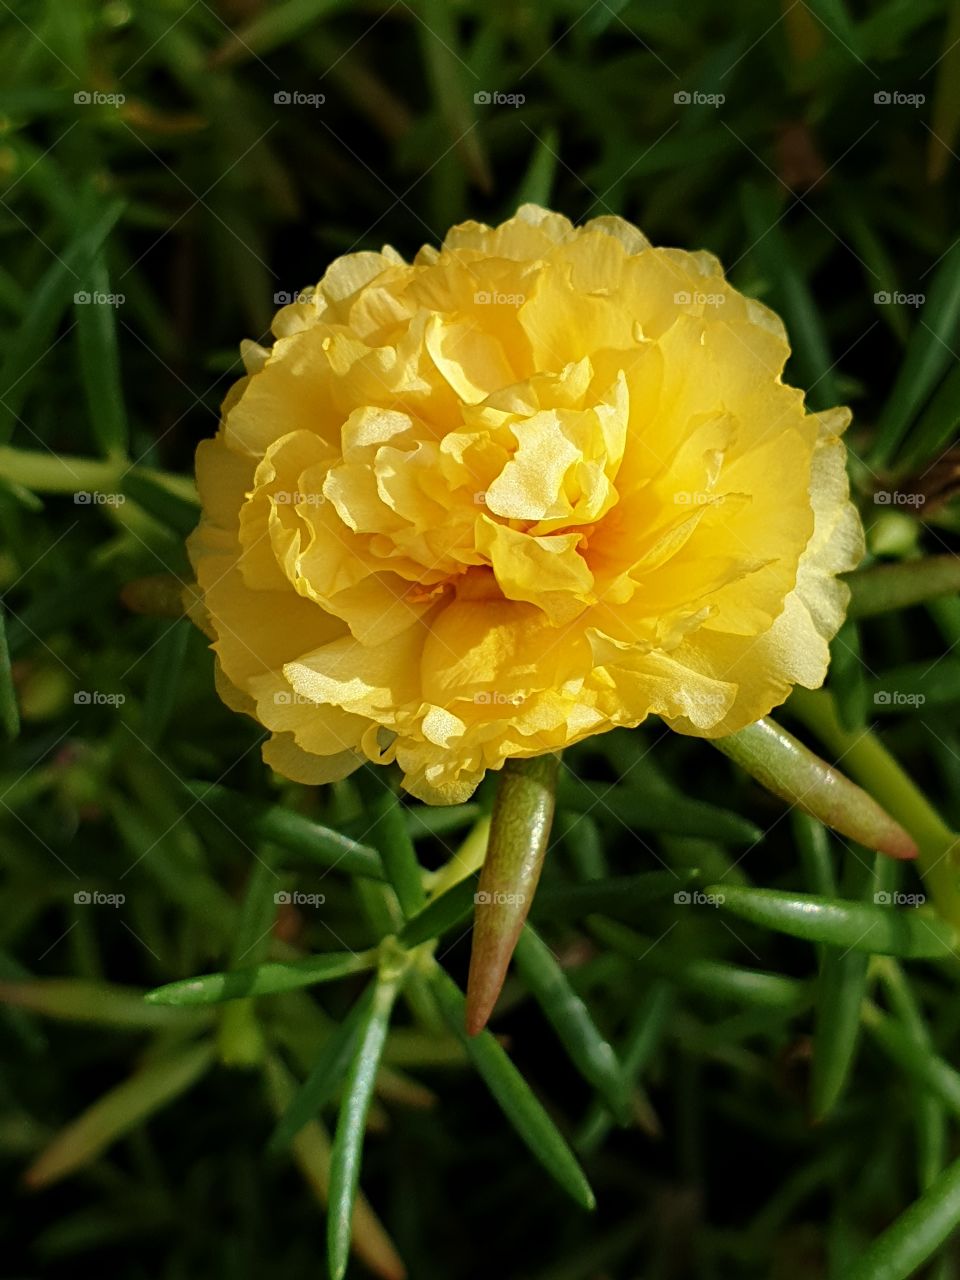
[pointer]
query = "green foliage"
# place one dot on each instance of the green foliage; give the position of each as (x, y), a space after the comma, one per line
(731, 1030)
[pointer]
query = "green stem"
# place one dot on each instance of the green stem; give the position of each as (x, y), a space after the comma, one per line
(519, 831)
(871, 764)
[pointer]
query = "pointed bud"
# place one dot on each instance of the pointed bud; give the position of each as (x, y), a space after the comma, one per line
(519, 832)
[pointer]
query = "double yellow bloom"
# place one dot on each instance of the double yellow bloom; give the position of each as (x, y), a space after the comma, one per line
(538, 483)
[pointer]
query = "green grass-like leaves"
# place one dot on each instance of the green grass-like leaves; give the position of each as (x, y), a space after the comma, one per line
(708, 972)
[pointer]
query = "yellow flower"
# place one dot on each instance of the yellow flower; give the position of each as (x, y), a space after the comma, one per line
(538, 483)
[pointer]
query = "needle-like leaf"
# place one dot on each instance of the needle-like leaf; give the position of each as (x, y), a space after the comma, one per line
(589, 1050)
(514, 1095)
(117, 1112)
(262, 980)
(290, 830)
(352, 1124)
(886, 930)
(325, 1078)
(916, 1235)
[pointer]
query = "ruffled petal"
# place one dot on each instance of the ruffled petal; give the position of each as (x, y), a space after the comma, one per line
(540, 482)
